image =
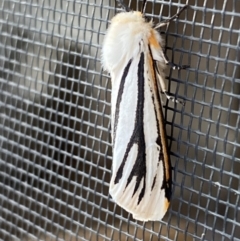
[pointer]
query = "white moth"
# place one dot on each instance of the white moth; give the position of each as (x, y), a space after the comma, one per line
(141, 170)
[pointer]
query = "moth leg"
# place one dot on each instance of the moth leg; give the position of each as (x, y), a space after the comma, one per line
(165, 22)
(175, 66)
(172, 65)
(124, 6)
(164, 90)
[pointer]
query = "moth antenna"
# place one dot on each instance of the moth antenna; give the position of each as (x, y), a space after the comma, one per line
(124, 6)
(144, 6)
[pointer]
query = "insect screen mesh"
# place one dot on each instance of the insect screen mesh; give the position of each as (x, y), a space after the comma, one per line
(55, 151)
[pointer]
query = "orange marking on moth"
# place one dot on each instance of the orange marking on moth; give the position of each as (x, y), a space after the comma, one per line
(166, 205)
(151, 66)
(153, 41)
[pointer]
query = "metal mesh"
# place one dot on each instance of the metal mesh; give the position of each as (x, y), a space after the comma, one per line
(55, 151)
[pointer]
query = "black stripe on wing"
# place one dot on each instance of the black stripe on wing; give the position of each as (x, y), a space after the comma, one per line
(166, 184)
(137, 137)
(139, 168)
(119, 99)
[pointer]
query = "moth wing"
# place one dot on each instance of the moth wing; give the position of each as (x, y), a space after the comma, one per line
(141, 181)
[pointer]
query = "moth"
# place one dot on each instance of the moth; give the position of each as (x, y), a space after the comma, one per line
(132, 53)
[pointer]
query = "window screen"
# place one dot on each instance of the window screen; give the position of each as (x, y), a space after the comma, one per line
(55, 141)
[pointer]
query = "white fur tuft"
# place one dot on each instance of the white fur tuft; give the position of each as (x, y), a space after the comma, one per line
(122, 40)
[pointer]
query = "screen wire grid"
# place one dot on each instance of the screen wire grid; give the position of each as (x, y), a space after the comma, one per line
(55, 143)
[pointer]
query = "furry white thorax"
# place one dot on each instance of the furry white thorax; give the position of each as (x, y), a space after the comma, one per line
(121, 43)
